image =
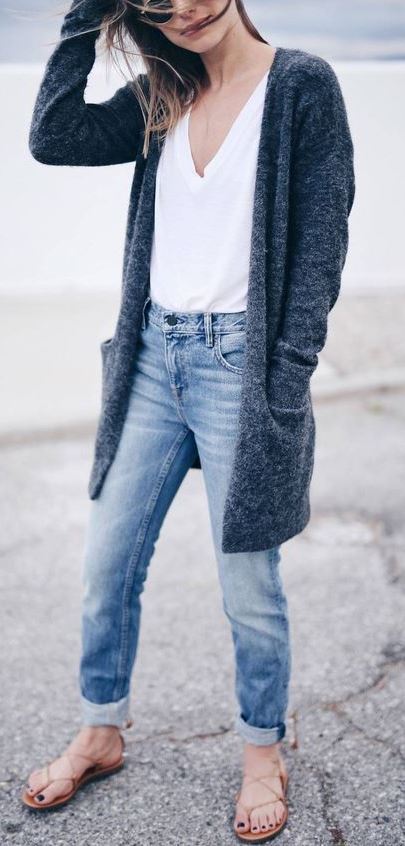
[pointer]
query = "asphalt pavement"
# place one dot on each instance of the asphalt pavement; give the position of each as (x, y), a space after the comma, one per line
(344, 577)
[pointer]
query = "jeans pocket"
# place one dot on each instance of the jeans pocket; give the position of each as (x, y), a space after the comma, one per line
(229, 349)
(143, 321)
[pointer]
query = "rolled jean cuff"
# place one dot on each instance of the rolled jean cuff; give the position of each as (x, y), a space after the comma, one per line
(259, 736)
(110, 713)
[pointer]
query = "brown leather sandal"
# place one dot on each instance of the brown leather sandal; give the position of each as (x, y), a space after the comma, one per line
(94, 770)
(263, 836)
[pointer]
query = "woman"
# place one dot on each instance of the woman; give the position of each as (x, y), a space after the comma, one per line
(236, 238)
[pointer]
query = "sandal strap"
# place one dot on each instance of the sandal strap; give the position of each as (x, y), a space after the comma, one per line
(93, 762)
(251, 779)
(50, 780)
(253, 776)
(279, 797)
(249, 808)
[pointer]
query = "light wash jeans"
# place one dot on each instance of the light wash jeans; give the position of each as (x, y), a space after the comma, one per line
(185, 395)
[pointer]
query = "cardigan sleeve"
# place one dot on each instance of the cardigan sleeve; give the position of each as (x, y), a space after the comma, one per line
(321, 197)
(65, 130)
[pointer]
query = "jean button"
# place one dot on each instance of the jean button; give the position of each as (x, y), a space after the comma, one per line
(171, 319)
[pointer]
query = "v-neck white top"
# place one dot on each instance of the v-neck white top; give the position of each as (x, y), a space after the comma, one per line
(203, 224)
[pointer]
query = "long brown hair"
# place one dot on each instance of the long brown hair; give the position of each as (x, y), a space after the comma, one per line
(175, 75)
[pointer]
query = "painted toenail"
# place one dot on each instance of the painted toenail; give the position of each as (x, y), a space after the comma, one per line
(240, 824)
(40, 796)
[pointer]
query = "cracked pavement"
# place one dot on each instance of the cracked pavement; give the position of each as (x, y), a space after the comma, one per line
(344, 578)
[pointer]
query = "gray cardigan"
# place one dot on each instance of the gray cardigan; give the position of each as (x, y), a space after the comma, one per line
(304, 193)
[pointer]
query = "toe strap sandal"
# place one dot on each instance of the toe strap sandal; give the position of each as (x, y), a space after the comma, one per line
(263, 836)
(96, 769)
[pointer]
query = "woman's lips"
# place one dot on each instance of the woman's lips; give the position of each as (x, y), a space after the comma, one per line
(198, 28)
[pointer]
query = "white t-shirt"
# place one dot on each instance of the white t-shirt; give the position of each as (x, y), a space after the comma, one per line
(203, 225)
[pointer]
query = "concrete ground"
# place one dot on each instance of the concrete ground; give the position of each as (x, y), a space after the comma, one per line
(344, 577)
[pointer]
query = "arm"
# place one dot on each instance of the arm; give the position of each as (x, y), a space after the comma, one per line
(322, 194)
(65, 130)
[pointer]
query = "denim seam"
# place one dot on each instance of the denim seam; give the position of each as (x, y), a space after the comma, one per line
(208, 329)
(173, 389)
(255, 733)
(179, 330)
(113, 713)
(134, 561)
(143, 312)
(287, 672)
(220, 358)
(226, 327)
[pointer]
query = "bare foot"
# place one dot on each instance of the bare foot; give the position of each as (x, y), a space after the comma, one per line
(270, 813)
(101, 742)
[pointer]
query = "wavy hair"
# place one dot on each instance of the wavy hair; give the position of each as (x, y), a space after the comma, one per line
(175, 76)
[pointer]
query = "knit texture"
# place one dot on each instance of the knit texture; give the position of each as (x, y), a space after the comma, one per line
(304, 193)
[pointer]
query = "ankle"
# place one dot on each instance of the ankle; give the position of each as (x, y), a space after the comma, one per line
(97, 734)
(259, 751)
(104, 729)
(257, 757)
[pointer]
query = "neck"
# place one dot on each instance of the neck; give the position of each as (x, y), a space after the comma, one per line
(236, 58)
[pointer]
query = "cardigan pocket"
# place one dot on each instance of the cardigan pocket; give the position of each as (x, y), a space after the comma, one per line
(288, 385)
(291, 447)
(289, 420)
(291, 423)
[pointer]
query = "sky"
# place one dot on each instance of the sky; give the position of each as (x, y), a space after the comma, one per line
(335, 29)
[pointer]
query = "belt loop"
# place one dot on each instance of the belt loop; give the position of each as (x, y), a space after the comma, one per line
(143, 312)
(208, 328)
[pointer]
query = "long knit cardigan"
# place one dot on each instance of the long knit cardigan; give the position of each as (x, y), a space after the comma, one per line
(303, 196)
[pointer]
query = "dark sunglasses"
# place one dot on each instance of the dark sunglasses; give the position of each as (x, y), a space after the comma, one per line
(160, 16)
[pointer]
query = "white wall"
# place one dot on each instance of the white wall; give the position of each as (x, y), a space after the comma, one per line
(374, 95)
(63, 228)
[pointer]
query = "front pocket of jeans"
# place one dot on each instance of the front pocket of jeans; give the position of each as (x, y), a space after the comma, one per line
(229, 349)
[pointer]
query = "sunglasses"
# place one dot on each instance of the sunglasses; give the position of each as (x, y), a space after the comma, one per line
(154, 11)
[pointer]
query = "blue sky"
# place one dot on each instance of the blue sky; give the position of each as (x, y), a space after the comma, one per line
(335, 29)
